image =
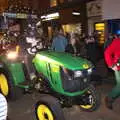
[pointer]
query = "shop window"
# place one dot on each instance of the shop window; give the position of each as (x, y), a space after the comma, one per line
(3, 5)
(69, 0)
(100, 28)
(114, 26)
(75, 28)
(61, 1)
(53, 3)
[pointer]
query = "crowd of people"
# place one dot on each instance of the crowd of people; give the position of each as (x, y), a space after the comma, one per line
(73, 43)
(87, 46)
(80, 45)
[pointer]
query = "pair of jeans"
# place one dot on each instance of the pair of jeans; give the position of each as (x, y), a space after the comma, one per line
(115, 93)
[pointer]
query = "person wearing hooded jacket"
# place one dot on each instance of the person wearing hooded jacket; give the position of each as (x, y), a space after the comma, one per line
(59, 40)
(3, 108)
(112, 58)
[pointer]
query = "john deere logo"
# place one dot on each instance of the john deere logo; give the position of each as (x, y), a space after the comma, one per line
(85, 66)
(55, 69)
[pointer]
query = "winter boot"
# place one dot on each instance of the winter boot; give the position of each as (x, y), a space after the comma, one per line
(108, 102)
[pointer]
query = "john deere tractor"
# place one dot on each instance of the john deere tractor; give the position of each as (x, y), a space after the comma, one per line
(63, 80)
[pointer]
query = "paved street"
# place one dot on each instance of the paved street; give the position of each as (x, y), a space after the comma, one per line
(23, 109)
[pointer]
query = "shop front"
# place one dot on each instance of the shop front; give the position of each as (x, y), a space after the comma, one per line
(111, 16)
(15, 21)
(74, 19)
(95, 21)
(100, 28)
(71, 18)
(114, 26)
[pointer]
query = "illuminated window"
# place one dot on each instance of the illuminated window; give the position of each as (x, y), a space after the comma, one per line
(3, 5)
(100, 28)
(61, 1)
(53, 3)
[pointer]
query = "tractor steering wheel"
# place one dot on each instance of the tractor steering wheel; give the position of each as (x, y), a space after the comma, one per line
(37, 48)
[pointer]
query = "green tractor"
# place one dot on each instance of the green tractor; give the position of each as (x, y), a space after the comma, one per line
(63, 80)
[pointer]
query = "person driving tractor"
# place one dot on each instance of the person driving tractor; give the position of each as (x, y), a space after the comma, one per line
(26, 44)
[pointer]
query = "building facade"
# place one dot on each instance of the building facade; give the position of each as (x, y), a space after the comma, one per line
(95, 21)
(72, 15)
(112, 16)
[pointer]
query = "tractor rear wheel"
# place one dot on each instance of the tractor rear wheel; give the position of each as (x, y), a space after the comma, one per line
(7, 87)
(4, 85)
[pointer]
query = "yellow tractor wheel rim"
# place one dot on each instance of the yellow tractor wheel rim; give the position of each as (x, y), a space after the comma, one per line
(44, 113)
(4, 85)
(87, 106)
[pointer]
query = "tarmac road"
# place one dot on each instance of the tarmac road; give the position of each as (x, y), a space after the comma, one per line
(23, 109)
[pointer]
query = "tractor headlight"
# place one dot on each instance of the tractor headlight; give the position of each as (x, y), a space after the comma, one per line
(78, 73)
(12, 55)
(90, 71)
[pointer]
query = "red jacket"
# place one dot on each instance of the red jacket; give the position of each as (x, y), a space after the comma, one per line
(112, 53)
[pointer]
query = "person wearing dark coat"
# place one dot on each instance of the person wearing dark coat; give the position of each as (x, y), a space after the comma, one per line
(92, 50)
(73, 46)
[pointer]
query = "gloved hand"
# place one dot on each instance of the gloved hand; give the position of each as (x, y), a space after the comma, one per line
(115, 68)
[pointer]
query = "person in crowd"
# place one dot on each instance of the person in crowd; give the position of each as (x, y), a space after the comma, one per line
(70, 46)
(45, 40)
(83, 50)
(112, 58)
(68, 36)
(74, 45)
(3, 107)
(91, 46)
(96, 36)
(78, 44)
(108, 41)
(115, 36)
(59, 41)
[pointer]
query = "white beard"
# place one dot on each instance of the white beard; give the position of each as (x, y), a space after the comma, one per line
(31, 40)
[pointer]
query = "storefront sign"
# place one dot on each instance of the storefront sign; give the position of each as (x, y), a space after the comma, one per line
(51, 16)
(21, 16)
(94, 8)
(10, 15)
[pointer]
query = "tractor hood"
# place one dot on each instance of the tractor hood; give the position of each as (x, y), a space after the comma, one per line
(63, 59)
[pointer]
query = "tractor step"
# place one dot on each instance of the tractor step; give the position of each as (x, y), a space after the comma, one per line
(25, 85)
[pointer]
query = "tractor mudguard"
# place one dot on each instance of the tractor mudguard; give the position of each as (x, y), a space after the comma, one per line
(16, 71)
(1, 66)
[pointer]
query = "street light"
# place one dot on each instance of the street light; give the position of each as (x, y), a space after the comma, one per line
(76, 13)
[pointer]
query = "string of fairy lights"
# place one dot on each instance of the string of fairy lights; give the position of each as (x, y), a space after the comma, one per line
(17, 6)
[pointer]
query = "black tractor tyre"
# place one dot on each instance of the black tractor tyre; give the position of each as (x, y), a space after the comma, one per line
(14, 91)
(95, 98)
(54, 106)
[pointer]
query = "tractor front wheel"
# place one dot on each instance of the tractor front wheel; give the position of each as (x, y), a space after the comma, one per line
(48, 108)
(91, 98)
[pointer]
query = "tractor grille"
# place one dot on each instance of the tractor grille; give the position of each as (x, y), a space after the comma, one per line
(75, 84)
